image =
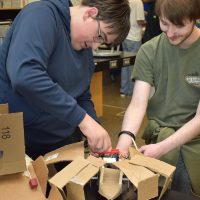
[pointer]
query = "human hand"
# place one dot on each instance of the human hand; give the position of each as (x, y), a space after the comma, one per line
(152, 150)
(123, 145)
(97, 136)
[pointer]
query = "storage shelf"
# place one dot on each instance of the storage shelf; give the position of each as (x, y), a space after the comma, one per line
(9, 13)
(10, 8)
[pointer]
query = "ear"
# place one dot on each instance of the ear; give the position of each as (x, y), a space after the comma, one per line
(90, 12)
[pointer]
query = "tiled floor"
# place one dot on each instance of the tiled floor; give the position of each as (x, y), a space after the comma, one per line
(114, 107)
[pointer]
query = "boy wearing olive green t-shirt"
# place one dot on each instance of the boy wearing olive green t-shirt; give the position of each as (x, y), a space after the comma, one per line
(169, 63)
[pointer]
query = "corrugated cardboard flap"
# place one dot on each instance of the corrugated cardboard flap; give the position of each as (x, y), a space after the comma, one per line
(66, 174)
(140, 177)
(110, 183)
(160, 167)
(66, 153)
(89, 171)
(75, 188)
(41, 171)
(75, 175)
(98, 162)
(153, 164)
(55, 194)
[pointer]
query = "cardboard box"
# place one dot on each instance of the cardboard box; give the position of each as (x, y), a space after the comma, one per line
(12, 149)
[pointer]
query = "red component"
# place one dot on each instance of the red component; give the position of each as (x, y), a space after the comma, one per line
(113, 151)
(33, 183)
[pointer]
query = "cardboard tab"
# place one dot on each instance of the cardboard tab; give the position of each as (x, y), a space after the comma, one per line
(154, 164)
(98, 162)
(75, 192)
(41, 171)
(66, 174)
(160, 167)
(85, 175)
(66, 153)
(142, 178)
(4, 108)
(12, 149)
(55, 194)
(110, 184)
(75, 188)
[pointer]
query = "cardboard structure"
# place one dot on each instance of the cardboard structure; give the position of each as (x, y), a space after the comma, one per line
(12, 150)
(16, 173)
(143, 172)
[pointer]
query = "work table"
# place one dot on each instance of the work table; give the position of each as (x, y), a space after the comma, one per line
(106, 63)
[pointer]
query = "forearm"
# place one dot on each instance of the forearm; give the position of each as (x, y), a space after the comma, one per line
(183, 135)
(135, 113)
(133, 118)
(137, 108)
(132, 123)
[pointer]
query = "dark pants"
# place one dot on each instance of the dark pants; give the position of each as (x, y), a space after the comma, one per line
(181, 180)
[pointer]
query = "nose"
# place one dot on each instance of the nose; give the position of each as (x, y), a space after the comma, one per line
(170, 31)
(95, 45)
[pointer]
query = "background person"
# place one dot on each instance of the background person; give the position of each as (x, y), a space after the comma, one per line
(170, 63)
(46, 65)
(152, 27)
(132, 43)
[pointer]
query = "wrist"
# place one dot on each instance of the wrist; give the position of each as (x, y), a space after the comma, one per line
(132, 135)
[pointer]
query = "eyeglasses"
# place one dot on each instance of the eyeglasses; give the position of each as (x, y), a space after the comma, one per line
(99, 38)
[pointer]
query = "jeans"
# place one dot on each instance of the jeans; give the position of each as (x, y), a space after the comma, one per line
(126, 82)
(181, 180)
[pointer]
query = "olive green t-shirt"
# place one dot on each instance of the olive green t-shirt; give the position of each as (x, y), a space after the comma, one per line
(175, 74)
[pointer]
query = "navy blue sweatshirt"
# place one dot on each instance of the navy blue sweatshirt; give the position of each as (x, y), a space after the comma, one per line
(43, 77)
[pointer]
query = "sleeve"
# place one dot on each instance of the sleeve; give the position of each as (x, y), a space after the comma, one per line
(139, 10)
(143, 67)
(87, 104)
(33, 41)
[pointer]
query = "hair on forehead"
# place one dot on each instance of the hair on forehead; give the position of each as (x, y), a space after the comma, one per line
(177, 11)
(115, 14)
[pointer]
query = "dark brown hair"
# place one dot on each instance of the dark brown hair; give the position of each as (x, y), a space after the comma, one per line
(116, 13)
(177, 11)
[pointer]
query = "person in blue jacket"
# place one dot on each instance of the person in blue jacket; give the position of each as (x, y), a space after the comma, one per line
(46, 65)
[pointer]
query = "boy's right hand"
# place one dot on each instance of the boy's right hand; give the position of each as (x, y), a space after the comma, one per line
(97, 136)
